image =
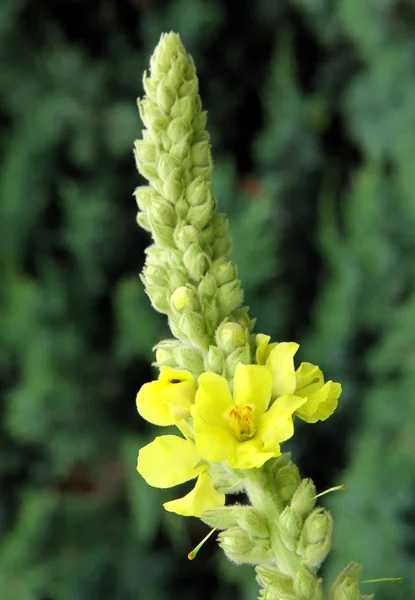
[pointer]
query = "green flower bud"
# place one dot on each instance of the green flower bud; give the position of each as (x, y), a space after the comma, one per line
(221, 247)
(227, 480)
(223, 271)
(195, 261)
(173, 188)
(143, 195)
(166, 96)
(186, 235)
(252, 522)
(204, 172)
(183, 107)
(273, 580)
(287, 480)
(193, 327)
(158, 299)
(240, 355)
(347, 583)
(214, 361)
(207, 287)
(149, 171)
(290, 527)
(316, 538)
(178, 130)
(235, 540)
(222, 517)
(143, 221)
(211, 313)
(180, 150)
(306, 586)
(166, 165)
(165, 353)
(162, 234)
(303, 500)
(190, 359)
(230, 336)
(200, 215)
(177, 277)
(200, 154)
(145, 152)
(184, 298)
(197, 192)
(154, 276)
(229, 297)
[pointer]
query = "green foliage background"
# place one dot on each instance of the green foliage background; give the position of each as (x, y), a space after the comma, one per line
(312, 121)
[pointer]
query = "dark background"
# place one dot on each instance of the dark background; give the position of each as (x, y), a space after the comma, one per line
(312, 123)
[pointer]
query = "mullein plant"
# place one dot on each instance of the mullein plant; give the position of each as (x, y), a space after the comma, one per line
(232, 395)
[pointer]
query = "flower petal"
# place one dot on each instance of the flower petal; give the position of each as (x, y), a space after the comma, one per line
(213, 398)
(202, 497)
(262, 341)
(320, 405)
(309, 379)
(281, 363)
(214, 442)
(252, 384)
(168, 400)
(276, 425)
(169, 460)
(249, 455)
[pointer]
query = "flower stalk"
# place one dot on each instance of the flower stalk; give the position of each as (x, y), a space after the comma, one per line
(232, 395)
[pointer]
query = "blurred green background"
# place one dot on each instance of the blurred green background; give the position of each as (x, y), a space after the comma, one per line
(312, 122)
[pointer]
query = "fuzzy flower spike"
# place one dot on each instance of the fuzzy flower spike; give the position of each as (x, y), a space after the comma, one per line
(232, 397)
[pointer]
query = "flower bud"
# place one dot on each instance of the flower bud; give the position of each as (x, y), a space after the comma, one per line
(207, 287)
(180, 150)
(173, 187)
(229, 297)
(230, 336)
(287, 480)
(184, 236)
(214, 361)
(290, 526)
(200, 215)
(195, 261)
(347, 583)
(158, 299)
(200, 154)
(235, 540)
(193, 327)
(184, 297)
(145, 152)
(177, 277)
(204, 172)
(165, 353)
(316, 538)
(165, 96)
(221, 247)
(149, 171)
(189, 359)
(182, 107)
(223, 271)
(178, 129)
(240, 355)
(306, 586)
(143, 221)
(143, 195)
(197, 192)
(303, 500)
(166, 165)
(252, 522)
(210, 310)
(275, 582)
(221, 517)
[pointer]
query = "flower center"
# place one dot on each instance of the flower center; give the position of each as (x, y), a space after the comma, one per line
(242, 421)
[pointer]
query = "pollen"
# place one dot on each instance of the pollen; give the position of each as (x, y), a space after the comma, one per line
(242, 421)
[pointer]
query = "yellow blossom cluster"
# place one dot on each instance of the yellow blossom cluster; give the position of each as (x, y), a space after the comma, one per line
(241, 423)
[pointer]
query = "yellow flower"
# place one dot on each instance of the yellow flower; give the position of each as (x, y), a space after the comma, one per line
(322, 398)
(307, 381)
(167, 400)
(241, 429)
(170, 460)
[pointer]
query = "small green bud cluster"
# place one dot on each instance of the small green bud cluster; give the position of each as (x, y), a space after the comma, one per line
(186, 276)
